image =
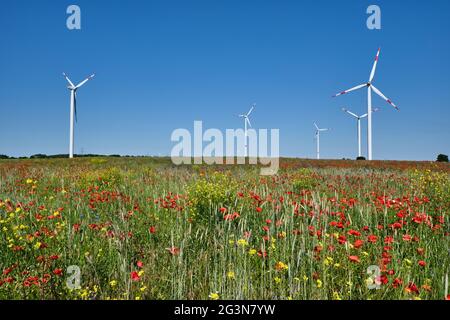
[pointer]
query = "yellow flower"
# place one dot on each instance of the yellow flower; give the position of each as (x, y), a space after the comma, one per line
(369, 282)
(252, 252)
(143, 288)
(56, 214)
(230, 274)
(277, 280)
(305, 278)
(242, 242)
(113, 283)
(141, 273)
(29, 181)
(336, 296)
(337, 265)
(37, 245)
(319, 283)
(214, 296)
(328, 261)
(280, 266)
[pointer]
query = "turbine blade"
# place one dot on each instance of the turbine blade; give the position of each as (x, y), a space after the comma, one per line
(248, 121)
(75, 106)
(84, 81)
(251, 109)
(68, 80)
(378, 92)
(374, 68)
(315, 125)
(349, 112)
(363, 116)
(350, 90)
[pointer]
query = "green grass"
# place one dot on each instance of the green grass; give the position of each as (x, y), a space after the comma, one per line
(106, 208)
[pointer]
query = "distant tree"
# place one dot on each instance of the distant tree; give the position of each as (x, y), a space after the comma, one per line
(442, 158)
(3, 156)
(361, 158)
(38, 156)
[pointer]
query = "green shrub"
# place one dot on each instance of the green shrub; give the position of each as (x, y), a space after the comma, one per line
(209, 193)
(303, 180)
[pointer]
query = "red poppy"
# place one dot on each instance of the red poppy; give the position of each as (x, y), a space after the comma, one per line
(173, 251)
(354, 259)
(223, 210)
(422, 263)
(412, 288)
(57, 272)
(342, 239)
(140, 264)
(372, 238)
(407, 237)
(397, 282)
(135, 276)
(259, 209)
(388, 240)
(152, 229)
(358, 244)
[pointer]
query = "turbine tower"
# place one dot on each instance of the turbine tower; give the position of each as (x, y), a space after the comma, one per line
(318, 131)
(73, 107)
(358, 118)
(247, 122)
(370, 87)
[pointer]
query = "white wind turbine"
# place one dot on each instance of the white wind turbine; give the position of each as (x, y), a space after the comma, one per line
(73, 106)
(358, 118)
(247, 122)
(318, 131)
(370, 87)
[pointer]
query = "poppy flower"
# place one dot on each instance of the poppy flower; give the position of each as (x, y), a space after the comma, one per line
(422, 263)
(354, 259)
(58, 272)
(140, 264)
(258, 209)
(372, 238)
(407, 238)
(152, 229)
(173, 251)
(135, 276)
(412, 288)
(358, 244)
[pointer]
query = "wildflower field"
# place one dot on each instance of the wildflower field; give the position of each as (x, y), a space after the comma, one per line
(142, 228)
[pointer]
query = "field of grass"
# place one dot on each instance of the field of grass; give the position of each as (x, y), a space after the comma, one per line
(142, 228)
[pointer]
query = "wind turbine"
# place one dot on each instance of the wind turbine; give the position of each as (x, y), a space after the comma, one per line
(73, 106)
(358, 118)
(370, 87)
(247, 122)
(318, 131)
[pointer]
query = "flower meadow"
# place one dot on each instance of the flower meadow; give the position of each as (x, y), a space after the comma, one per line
(143, 228)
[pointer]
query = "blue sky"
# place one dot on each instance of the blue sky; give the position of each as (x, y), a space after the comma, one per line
(160, 65)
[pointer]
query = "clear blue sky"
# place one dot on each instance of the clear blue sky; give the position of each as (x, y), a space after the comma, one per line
(160, 65)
